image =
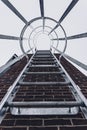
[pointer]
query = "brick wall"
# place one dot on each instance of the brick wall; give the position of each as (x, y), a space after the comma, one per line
(33, 93)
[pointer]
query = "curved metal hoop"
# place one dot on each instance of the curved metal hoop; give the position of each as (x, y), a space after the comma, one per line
(33, 20)
(34, 30)
(39, 33)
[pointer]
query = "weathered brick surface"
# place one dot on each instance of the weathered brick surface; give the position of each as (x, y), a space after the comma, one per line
(48, 93)
(44, 93)
(40, 69)
(44, 122)
(43, 128)
(79, 78)
(44, 78)
(8, 78)
(57, 122)
(74, 128)
(13, 128)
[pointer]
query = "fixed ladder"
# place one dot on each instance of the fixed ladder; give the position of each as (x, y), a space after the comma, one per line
(43, 88)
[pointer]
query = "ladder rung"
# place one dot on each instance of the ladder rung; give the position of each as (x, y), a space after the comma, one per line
(45, 104)
(44, 66)
(43, 53)
(44, 83)
(61, 72)
(51, 62)
(42, 60)
(33, 63)
(43, 56)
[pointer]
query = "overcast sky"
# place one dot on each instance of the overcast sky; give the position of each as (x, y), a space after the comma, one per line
(74, 23)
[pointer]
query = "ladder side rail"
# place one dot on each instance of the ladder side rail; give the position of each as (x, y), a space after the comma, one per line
(11, 88)
(76, 87)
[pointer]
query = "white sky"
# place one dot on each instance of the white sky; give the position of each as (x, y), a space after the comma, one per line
(74, 23)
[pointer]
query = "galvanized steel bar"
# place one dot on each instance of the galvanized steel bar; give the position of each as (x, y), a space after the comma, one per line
(11, 88)
(45, 104)
(80, 64)
(60, 72)
(14, 10)
(9, 37)
(46, 66)
(44, 83)
(75, 87)
(70, 7)
(83, 35)
(72, 4)
(43, 66)
(41, 7)
(42, 11)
